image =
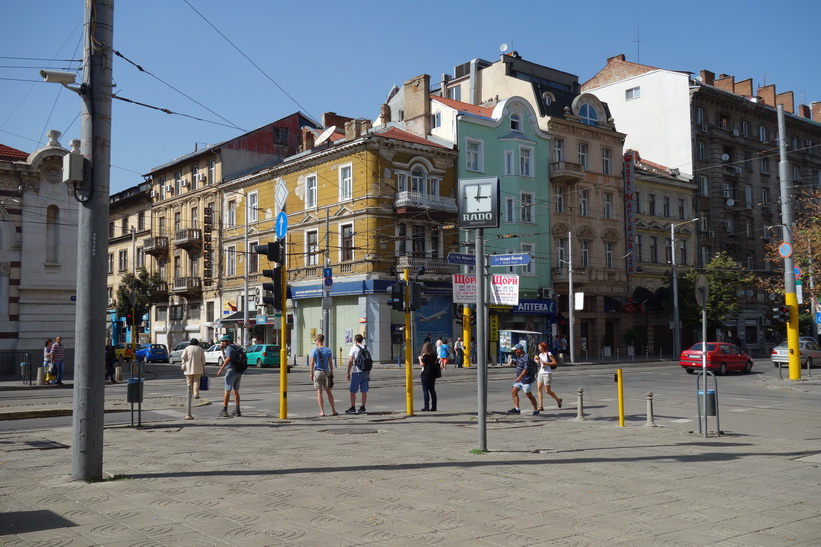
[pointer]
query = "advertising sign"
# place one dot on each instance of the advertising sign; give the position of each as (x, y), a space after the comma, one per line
(464, 289)
(504, 289)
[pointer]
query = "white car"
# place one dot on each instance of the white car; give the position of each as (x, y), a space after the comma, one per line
(809, 352)
(213, 355)
(176, 355)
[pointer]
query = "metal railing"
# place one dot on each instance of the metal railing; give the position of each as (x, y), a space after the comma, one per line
(16, 365)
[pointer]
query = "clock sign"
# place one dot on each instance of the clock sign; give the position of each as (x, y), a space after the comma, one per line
(479, 203)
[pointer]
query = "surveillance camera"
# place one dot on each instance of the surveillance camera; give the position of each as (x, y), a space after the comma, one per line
(58, 76)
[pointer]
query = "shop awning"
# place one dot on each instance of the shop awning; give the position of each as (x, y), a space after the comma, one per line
(235, 319)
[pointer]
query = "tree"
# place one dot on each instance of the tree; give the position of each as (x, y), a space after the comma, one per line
(143, 288)
(724, 277)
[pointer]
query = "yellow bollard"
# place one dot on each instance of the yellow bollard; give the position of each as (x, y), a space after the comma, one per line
(621, 397)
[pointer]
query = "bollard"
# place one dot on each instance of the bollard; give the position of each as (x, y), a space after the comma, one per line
(41, 376)
(650, 422)
(118, 373)
(617, 354)
(661, 355)
(580, 406)
(189, 391)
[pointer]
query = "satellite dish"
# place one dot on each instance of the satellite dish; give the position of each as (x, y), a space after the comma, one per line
(503, 48)
(325, 135)
(725, 157)
(730, 202)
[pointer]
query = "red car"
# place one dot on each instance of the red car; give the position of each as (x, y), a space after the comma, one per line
(721, 357)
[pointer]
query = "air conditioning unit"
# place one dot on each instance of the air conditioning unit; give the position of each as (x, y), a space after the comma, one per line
(200, 177)
(737, 170)
(184, 183)
(725, 186)
(169, 187)
(703, 128)
(153, 193)
(735, 132)
(727, 224)
(545, 293)
(711, 234)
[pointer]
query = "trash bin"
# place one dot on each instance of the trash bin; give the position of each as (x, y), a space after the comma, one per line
(135, 390)
(711, 402)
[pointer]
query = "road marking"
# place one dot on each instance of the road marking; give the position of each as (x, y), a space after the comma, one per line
(681, 421)
(740, 410)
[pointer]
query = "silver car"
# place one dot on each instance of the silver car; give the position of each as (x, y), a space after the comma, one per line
(809, 351)
(176, 355)
(213, 355)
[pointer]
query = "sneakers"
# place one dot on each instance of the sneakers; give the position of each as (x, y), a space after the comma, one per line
(514, 411)
(351, 410)
(224, 414)
(362, 410)
(535, 412)
(236, 413)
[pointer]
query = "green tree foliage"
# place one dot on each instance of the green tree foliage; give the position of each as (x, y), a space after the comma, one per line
(144, 288)
(725, 277)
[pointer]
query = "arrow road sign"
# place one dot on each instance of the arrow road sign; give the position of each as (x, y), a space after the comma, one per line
(521, 259)
(282, 225)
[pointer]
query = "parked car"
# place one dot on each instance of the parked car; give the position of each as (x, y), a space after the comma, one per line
(808, 350)
(176, 355)
(124, 352)
(721, 357)
(213, 355)
(263, 355)
(151, 353)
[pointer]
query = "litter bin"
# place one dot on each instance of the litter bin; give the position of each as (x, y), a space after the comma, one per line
(135, 390)
(711, 402)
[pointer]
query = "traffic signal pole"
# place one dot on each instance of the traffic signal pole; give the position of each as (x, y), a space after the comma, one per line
(283, 352)
(408, 347)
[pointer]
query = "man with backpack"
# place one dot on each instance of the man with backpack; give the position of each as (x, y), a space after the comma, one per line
(525, 378)
(322, 366)
(360, 362)
(234, 364)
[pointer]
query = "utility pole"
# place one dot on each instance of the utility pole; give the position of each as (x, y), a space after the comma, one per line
(481, 337)
(571, 297)
(92, 242)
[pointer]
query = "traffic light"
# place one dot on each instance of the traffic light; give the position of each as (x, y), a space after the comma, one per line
(784, 312)
(274, 287)
(415, 296)
(271, 250)
(397, 299)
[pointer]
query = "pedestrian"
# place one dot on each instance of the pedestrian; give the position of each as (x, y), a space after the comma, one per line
(473, 357)
(430, 372)
(427, 338)
(230, 353)
(110, 358)
(547, 362)
(444, 354)
(525, 377)
(359, 379)
(57, 357)
(322, 367)
(563, 345)
(459, 347)
(192, 363)
(47, 357)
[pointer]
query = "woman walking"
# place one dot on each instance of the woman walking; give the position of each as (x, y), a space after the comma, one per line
(47, 359)
(547, 363)
(431, 370)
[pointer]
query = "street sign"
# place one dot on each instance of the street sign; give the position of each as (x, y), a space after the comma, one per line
(785, 250)
(462, 259)
(329, 281)
(327, 272)
(818, 318)
(797, 272)
(282, 224)
(520, 259)
(702, 290)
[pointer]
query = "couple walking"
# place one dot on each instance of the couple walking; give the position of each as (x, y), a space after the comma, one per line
(54, 361)
(526, 377)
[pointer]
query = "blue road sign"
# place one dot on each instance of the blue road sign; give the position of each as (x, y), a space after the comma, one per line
(329, 281)
(282, 224)
(463, 259)
(327, 272)
(520, 259)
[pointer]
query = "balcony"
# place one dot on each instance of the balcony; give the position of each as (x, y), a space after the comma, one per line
(565, 171)
(155, 246)
(413, 202)
(160, 290)
(189, 238)
(431, 265)
(187, 285)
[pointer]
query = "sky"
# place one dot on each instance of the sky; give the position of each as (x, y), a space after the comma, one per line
(242, 64)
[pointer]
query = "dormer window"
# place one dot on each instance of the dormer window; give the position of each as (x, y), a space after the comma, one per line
(515, 122)
(588, 115)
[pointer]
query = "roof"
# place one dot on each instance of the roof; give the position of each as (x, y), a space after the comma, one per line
(400, 135)
(484, 111)
(7, 153)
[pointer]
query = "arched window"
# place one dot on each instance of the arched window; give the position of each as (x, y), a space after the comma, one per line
(52, 232)
(515, 122)
(588, 114)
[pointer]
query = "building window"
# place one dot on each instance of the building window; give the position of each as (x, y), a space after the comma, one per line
(765, 165)
(637, 255)
(510, 208)
(253, 207)
(748, 161)
(401, 246)
(231, 214)
(509, 163)
(583, 154)
(703, 185)
(141, 221)
(436, 120)
(231, 261)
(702, 150)
(310, 194)
(584, 202)
(417, 180)
(124, 226)
(177, 221)
(162, 313)
(637, 196)
(346, 182)
(252, 257)
(111, 263)
(175, 313)
(745, 128)
(606, 161)
(654, 249)
(762, 134)
(474, 156)
(162, 188)
(796, 173)
(666, 207)
(194, 262)
(528, 269)
(558, 191)
(652, 206)
(588, 114)
(700, 116)
(561, 249)
(401, 182)
(212, 172)
(585, 248)
(193, 311)
(110, 230)
(195, 217)
(161, 223)
(311, 247)
(558, 150)
(433, 186)
(632, 93)
(608, 254)
(418, 241)
(527, 207)
(177, 267)
(123, 260)
(681, 209)
(346, 242)
(140, 257)
(194, 177)
(608, 205)
(455, 93)
(515, 122)
(178, 182)
(525, 159)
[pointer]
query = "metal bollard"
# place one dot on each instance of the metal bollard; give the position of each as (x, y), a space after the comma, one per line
(650, 422)
(580, 406)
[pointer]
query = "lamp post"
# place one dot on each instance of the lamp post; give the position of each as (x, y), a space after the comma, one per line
(676, 327)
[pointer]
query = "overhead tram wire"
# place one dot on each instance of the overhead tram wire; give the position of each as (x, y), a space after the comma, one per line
(167, 111)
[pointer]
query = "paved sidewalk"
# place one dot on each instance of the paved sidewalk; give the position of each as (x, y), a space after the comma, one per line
(390, 479)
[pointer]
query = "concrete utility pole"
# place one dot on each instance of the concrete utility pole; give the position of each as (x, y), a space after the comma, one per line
(92, 242)
(481, 337)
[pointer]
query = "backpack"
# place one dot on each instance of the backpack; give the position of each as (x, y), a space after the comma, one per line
(241, 364)
(364, 362)
(532, 369)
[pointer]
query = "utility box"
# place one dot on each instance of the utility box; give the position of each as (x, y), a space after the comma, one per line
(73, 167)
(711, 402)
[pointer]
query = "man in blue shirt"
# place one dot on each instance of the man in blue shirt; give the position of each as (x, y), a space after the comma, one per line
(322, 366)
(525, 378)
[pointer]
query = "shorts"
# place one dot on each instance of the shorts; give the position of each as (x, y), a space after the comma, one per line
(527, 388)
(320, 379)
(359, 382)
(545, 377)
(232, 379)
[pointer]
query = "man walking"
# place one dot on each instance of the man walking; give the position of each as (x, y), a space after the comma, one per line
(58, 358)
(230, 354)
(359, 379)
(193, 366)
(322, 365)
(525, 377)
(459, 347)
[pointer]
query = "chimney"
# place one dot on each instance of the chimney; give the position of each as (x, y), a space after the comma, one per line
(353, 130)
(744, 87)
(767, 94)
(707, 77)
(307, 139)
(619, 57)
(417, 105)
(804, 111)
(366, 127)
(332, 118)
(726, 83)
(385, 113)
(816, 111)
(787, 100)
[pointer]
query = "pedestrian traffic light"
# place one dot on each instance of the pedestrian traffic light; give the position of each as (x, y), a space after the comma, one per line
(271, 250)
(274, 287)
(397, 299)
(784, 313)
(415, 296)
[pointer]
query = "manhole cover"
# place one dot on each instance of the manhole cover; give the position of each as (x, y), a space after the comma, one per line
(351, 431)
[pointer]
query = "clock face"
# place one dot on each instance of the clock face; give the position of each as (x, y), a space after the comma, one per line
(479, 203)
(478, 198)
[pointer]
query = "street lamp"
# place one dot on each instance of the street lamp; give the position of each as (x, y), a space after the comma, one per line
(676, 327)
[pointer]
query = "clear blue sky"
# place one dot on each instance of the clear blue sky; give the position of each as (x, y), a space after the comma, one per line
(345, 56)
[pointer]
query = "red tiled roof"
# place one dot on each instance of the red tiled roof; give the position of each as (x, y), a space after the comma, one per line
(484, 111)
(398, 134)
(7, 153)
